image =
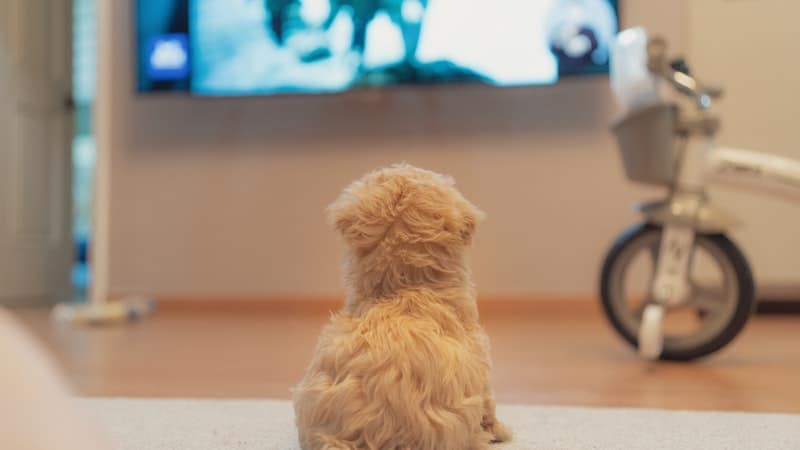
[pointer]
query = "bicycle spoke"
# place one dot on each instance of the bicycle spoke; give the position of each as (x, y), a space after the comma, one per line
(707, 298)
(653, 250)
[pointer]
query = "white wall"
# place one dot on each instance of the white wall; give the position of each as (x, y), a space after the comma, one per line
(225, 197)
(752, 48)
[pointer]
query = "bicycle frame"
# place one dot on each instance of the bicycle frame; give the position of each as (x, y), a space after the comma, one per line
(749, 169)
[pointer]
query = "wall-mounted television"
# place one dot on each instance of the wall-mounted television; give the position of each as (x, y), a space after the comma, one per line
(264, 47)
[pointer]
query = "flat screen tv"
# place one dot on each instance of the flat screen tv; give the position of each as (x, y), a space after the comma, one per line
(265, 47)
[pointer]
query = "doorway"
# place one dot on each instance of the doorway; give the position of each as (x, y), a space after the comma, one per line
(84, 49)
(35, 153)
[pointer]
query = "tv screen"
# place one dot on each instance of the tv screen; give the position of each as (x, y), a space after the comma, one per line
(263, 47)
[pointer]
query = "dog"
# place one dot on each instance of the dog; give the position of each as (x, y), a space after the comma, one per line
(405, 364)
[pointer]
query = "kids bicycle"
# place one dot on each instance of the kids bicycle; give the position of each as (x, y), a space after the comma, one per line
(676, 287)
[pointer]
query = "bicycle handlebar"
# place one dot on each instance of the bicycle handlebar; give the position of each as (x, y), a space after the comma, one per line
(658, 64)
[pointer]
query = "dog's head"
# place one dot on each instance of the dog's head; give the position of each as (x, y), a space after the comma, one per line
(405, 225)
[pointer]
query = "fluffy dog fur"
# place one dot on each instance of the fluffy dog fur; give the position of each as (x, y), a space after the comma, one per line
(405, 364)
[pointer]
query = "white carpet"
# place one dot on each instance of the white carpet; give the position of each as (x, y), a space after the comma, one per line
(268, 425)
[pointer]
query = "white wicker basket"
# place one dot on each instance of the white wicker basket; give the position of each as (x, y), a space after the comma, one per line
(647, 141)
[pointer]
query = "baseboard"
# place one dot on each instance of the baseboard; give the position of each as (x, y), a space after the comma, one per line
(488, 305)
(784, 306)
(776, 298)
(287, 305)
(498, 305)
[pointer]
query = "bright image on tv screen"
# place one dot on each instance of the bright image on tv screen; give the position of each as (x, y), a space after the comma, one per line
(243, 47)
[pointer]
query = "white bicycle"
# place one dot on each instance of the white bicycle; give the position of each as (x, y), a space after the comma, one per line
(675, 286)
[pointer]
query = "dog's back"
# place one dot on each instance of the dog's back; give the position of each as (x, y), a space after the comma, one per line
(406, 374)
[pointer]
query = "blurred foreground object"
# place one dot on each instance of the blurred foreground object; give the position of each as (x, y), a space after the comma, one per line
(38, 411)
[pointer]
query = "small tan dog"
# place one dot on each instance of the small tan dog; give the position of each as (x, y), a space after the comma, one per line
(405, 365)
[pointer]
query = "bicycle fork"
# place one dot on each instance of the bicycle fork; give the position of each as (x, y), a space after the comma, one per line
(670, 286)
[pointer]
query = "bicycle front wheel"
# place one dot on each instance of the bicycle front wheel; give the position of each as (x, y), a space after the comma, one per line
(720, 303)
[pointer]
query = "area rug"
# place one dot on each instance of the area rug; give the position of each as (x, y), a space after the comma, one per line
(177, 424)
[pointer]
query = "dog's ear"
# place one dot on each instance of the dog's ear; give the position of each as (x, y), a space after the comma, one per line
(364, 212)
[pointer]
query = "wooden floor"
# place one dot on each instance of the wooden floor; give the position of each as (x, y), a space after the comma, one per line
(545, 354)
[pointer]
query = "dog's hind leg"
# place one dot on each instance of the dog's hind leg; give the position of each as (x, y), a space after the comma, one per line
(328, 442)
(490, 424)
